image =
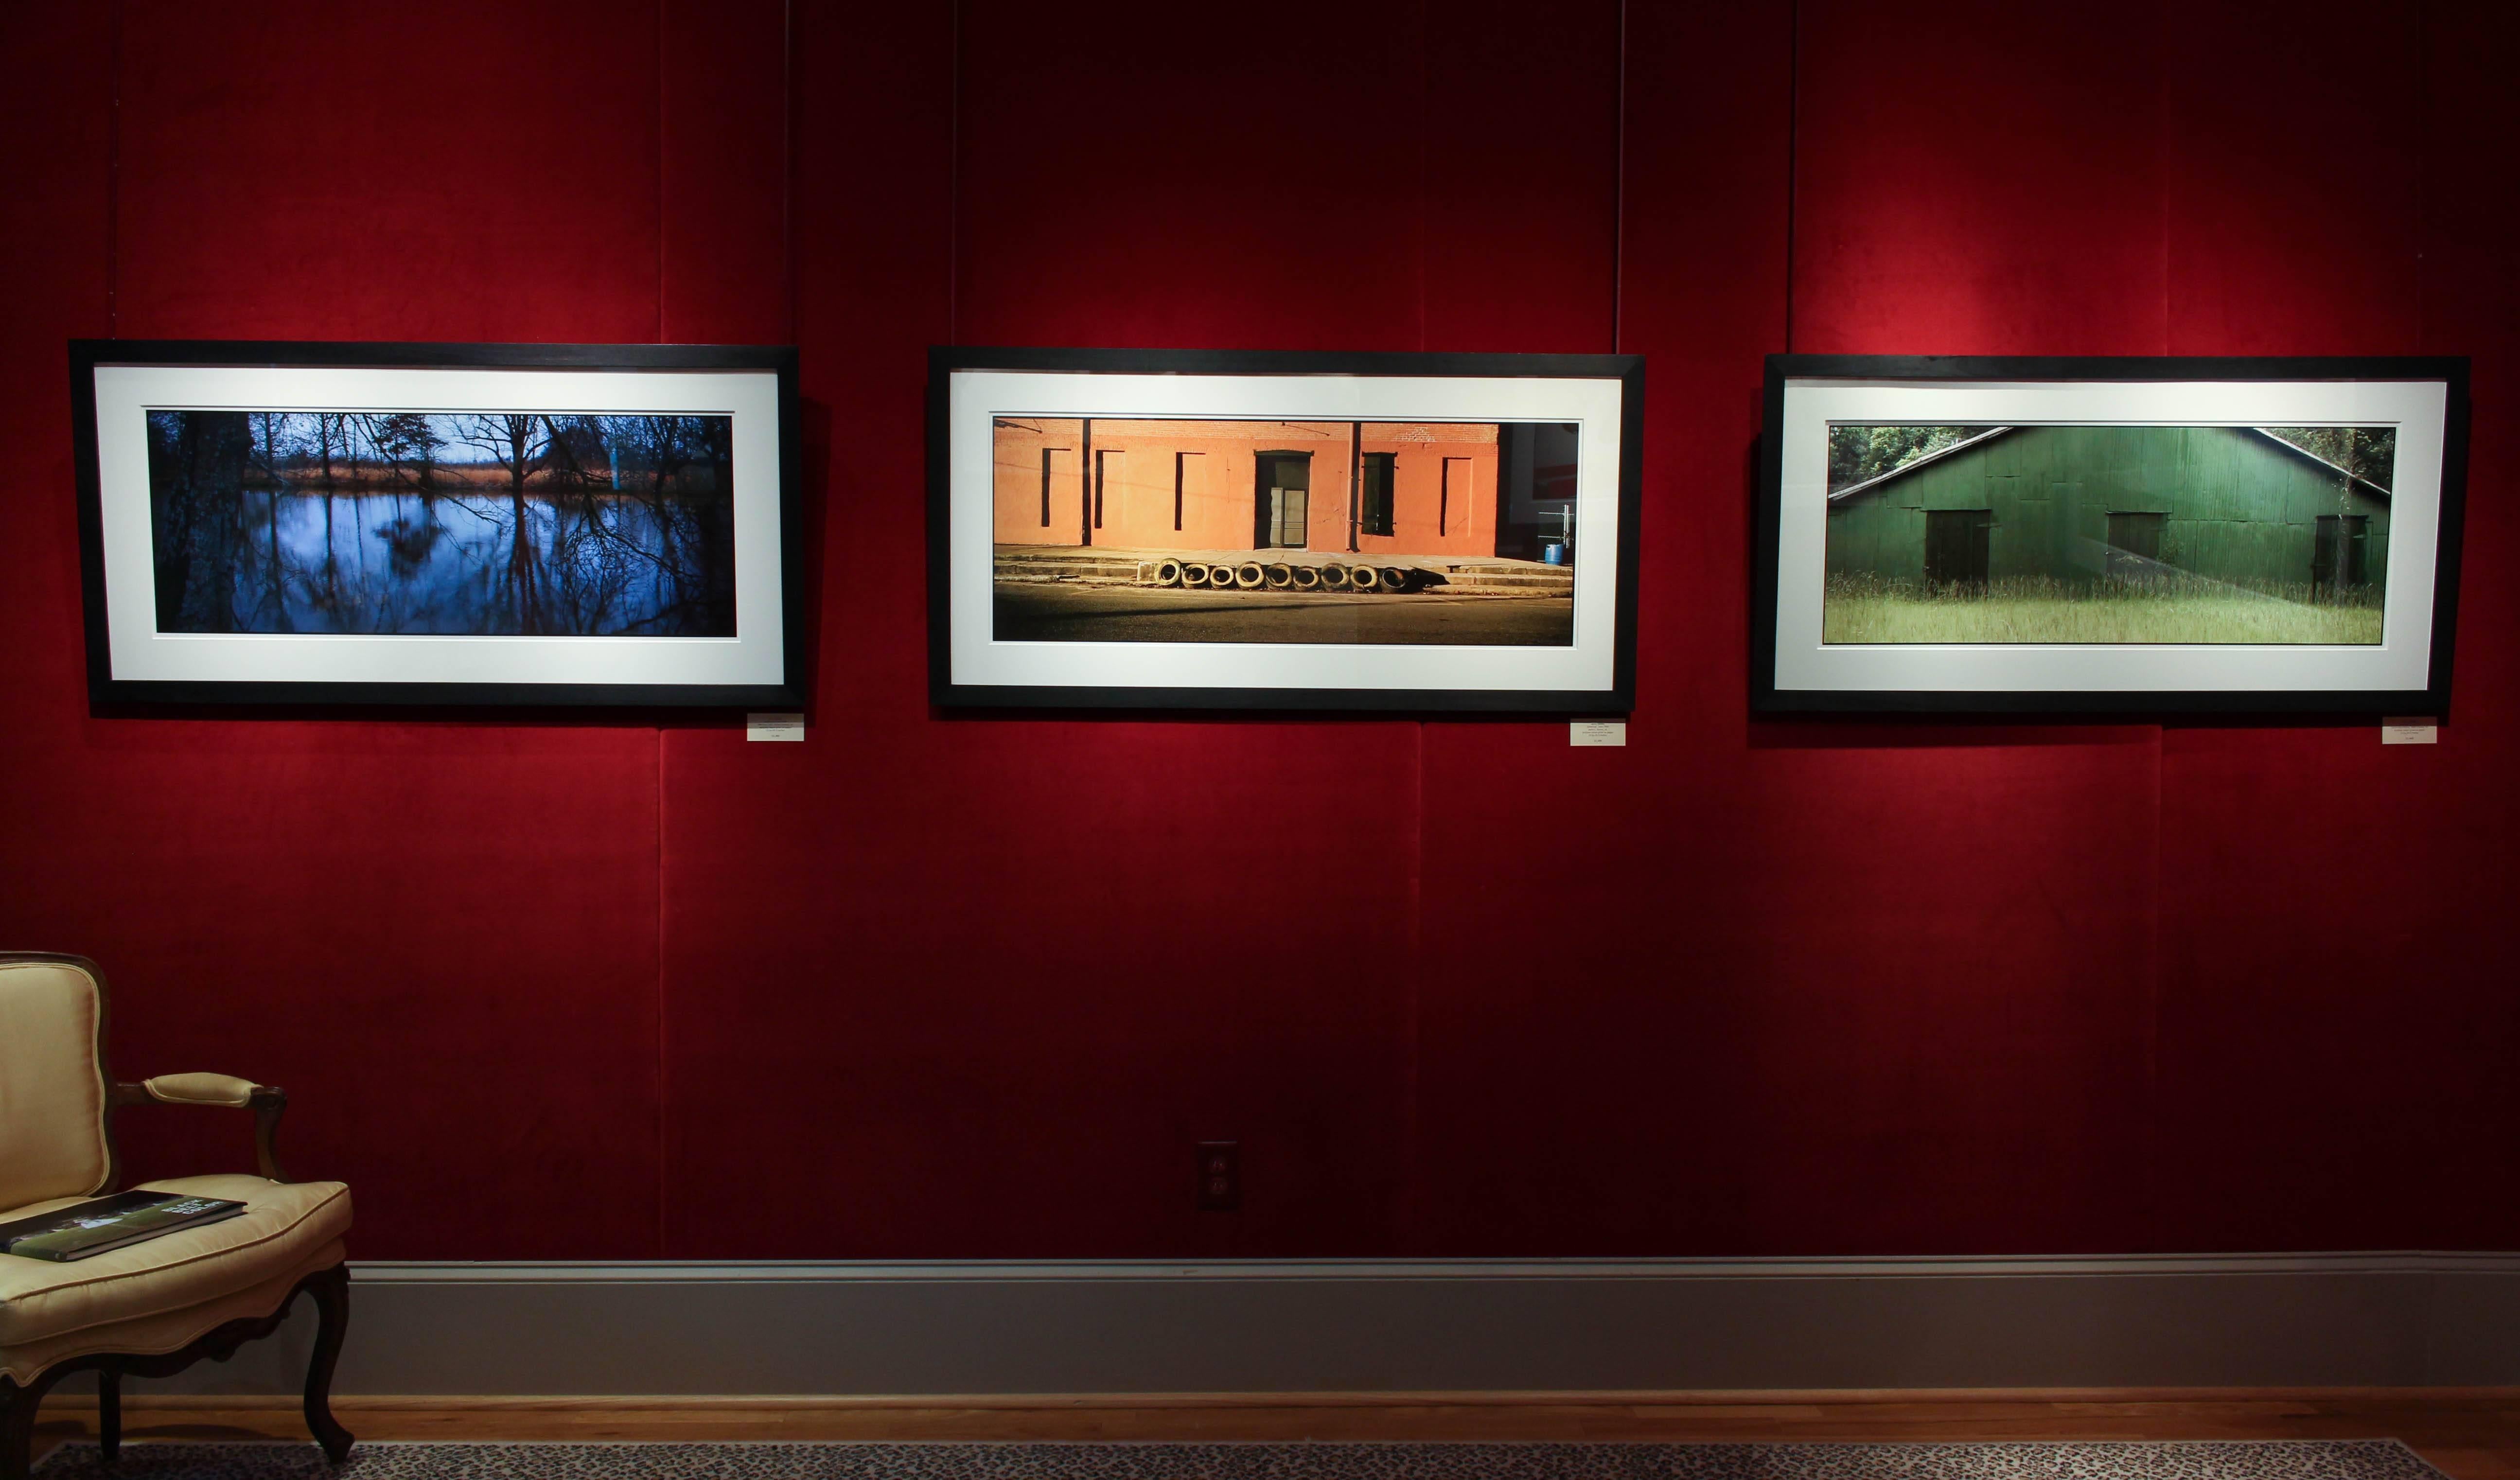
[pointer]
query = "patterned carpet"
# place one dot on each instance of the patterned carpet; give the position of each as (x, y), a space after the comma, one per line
(2286, 1459)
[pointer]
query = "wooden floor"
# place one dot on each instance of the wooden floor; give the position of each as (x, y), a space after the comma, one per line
(2472, 1434)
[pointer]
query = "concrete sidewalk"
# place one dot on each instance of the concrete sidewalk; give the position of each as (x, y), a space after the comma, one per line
(1118, 612)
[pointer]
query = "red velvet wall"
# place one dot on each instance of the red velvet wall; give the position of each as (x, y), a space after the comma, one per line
(939, 986)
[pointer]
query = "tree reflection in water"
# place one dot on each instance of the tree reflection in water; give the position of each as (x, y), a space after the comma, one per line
(444, 523)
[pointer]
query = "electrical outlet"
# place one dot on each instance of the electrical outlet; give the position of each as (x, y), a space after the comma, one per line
(1220, 1176)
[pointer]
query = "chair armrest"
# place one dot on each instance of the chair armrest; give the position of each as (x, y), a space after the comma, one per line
(200, 1088)
(219, 1092)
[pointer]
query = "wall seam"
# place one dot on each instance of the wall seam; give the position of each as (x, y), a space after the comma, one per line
(1810, 1269)
(954, 186)
(1412, 1126)
(787, 172)
(2163, 132)
(1409, 1184)
(2151, 1209)
(2153, 1214)
(113, 173)
(1619, 191)
(660, 175)
(1793, 152)
(1426, 89)
(663, 1182)
(2423, 174)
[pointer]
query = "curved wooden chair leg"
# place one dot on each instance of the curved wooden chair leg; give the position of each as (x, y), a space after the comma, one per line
(18, 1407)
(331, 1292)
(109, 1413)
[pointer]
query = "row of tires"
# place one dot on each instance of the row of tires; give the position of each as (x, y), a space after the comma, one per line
(1276, 575)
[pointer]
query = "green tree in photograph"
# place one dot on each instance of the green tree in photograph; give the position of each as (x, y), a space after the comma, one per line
(2366, 452)
(1858, 454)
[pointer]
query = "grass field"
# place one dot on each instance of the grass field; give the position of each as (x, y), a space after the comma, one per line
(1866, 610)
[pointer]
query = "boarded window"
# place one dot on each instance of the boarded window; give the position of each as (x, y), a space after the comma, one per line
(1956, 545)
(2336, 561)
(1189, 481)
(1110, 479)
(1373, 494)
(1055, 462)
(1453, 506)
(2138, 534)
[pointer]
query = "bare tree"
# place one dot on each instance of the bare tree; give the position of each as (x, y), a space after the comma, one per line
(517, 443)
(196, 472)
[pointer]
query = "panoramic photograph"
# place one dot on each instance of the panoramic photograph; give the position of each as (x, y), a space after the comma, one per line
(1155, 531)
(2087, 534)
(438, 523)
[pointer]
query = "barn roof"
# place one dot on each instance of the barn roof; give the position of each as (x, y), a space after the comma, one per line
(1990, 434)
(2304, 452)
(1928, 461)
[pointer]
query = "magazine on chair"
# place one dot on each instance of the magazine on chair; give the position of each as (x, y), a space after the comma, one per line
(110, 1223)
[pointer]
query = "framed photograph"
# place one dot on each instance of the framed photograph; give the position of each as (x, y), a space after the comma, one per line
(2108, 535)
(1153, 529)
(536, 525)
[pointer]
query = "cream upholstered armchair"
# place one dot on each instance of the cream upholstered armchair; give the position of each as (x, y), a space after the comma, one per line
(154, 1308)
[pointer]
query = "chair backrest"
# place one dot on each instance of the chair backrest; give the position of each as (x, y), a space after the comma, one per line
(51, 1080)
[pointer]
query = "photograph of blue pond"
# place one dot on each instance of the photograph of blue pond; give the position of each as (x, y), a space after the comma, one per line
(443, 523)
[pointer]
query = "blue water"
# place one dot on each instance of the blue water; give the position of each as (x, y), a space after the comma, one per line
(379, 562)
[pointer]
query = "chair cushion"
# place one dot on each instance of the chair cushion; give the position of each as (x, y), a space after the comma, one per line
(52, 1092)
(283, 1224)
(165, 1332)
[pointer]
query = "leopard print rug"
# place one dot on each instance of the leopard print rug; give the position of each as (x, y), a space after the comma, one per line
(2279, 1460)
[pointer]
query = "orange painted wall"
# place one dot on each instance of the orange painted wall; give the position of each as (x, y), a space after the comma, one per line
(1141, 465)
(1138, 495)
(1427, 519)
(1021, 443)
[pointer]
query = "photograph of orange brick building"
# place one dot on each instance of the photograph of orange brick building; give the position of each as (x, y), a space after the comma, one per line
(1279, 514)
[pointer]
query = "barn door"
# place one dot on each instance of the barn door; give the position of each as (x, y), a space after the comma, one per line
(2135, 546)
(1956, 545)
(2336, 561)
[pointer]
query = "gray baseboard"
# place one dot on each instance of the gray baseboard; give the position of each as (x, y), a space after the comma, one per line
(1366, 1326)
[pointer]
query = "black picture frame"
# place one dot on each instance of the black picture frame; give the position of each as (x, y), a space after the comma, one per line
(108, 688)
(2431, 699)
(947, 690)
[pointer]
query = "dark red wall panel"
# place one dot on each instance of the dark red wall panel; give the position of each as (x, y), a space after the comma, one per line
(1139, 174)
(1573, 936)
(57, 256)
(1017, 967)
(930, 986)
(1952, 1015)
(1983, 178)
(440, 936)
(2331, 969)
(722, 131)
(2294, 216)
(399, 171)
(1518, 113)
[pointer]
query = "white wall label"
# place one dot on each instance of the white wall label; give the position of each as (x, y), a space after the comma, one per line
(2409, 731)
(1598, 732)
(774, 727)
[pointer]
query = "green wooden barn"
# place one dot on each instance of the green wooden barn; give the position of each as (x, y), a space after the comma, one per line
(2079, 504)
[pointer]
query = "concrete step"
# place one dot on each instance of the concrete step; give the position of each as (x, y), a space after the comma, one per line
(1562, 579)
(1454, 577)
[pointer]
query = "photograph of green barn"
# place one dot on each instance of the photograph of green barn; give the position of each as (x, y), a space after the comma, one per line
(2106, 534)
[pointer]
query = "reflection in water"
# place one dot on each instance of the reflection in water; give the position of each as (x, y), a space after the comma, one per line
(401, 564)
(313, 523)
